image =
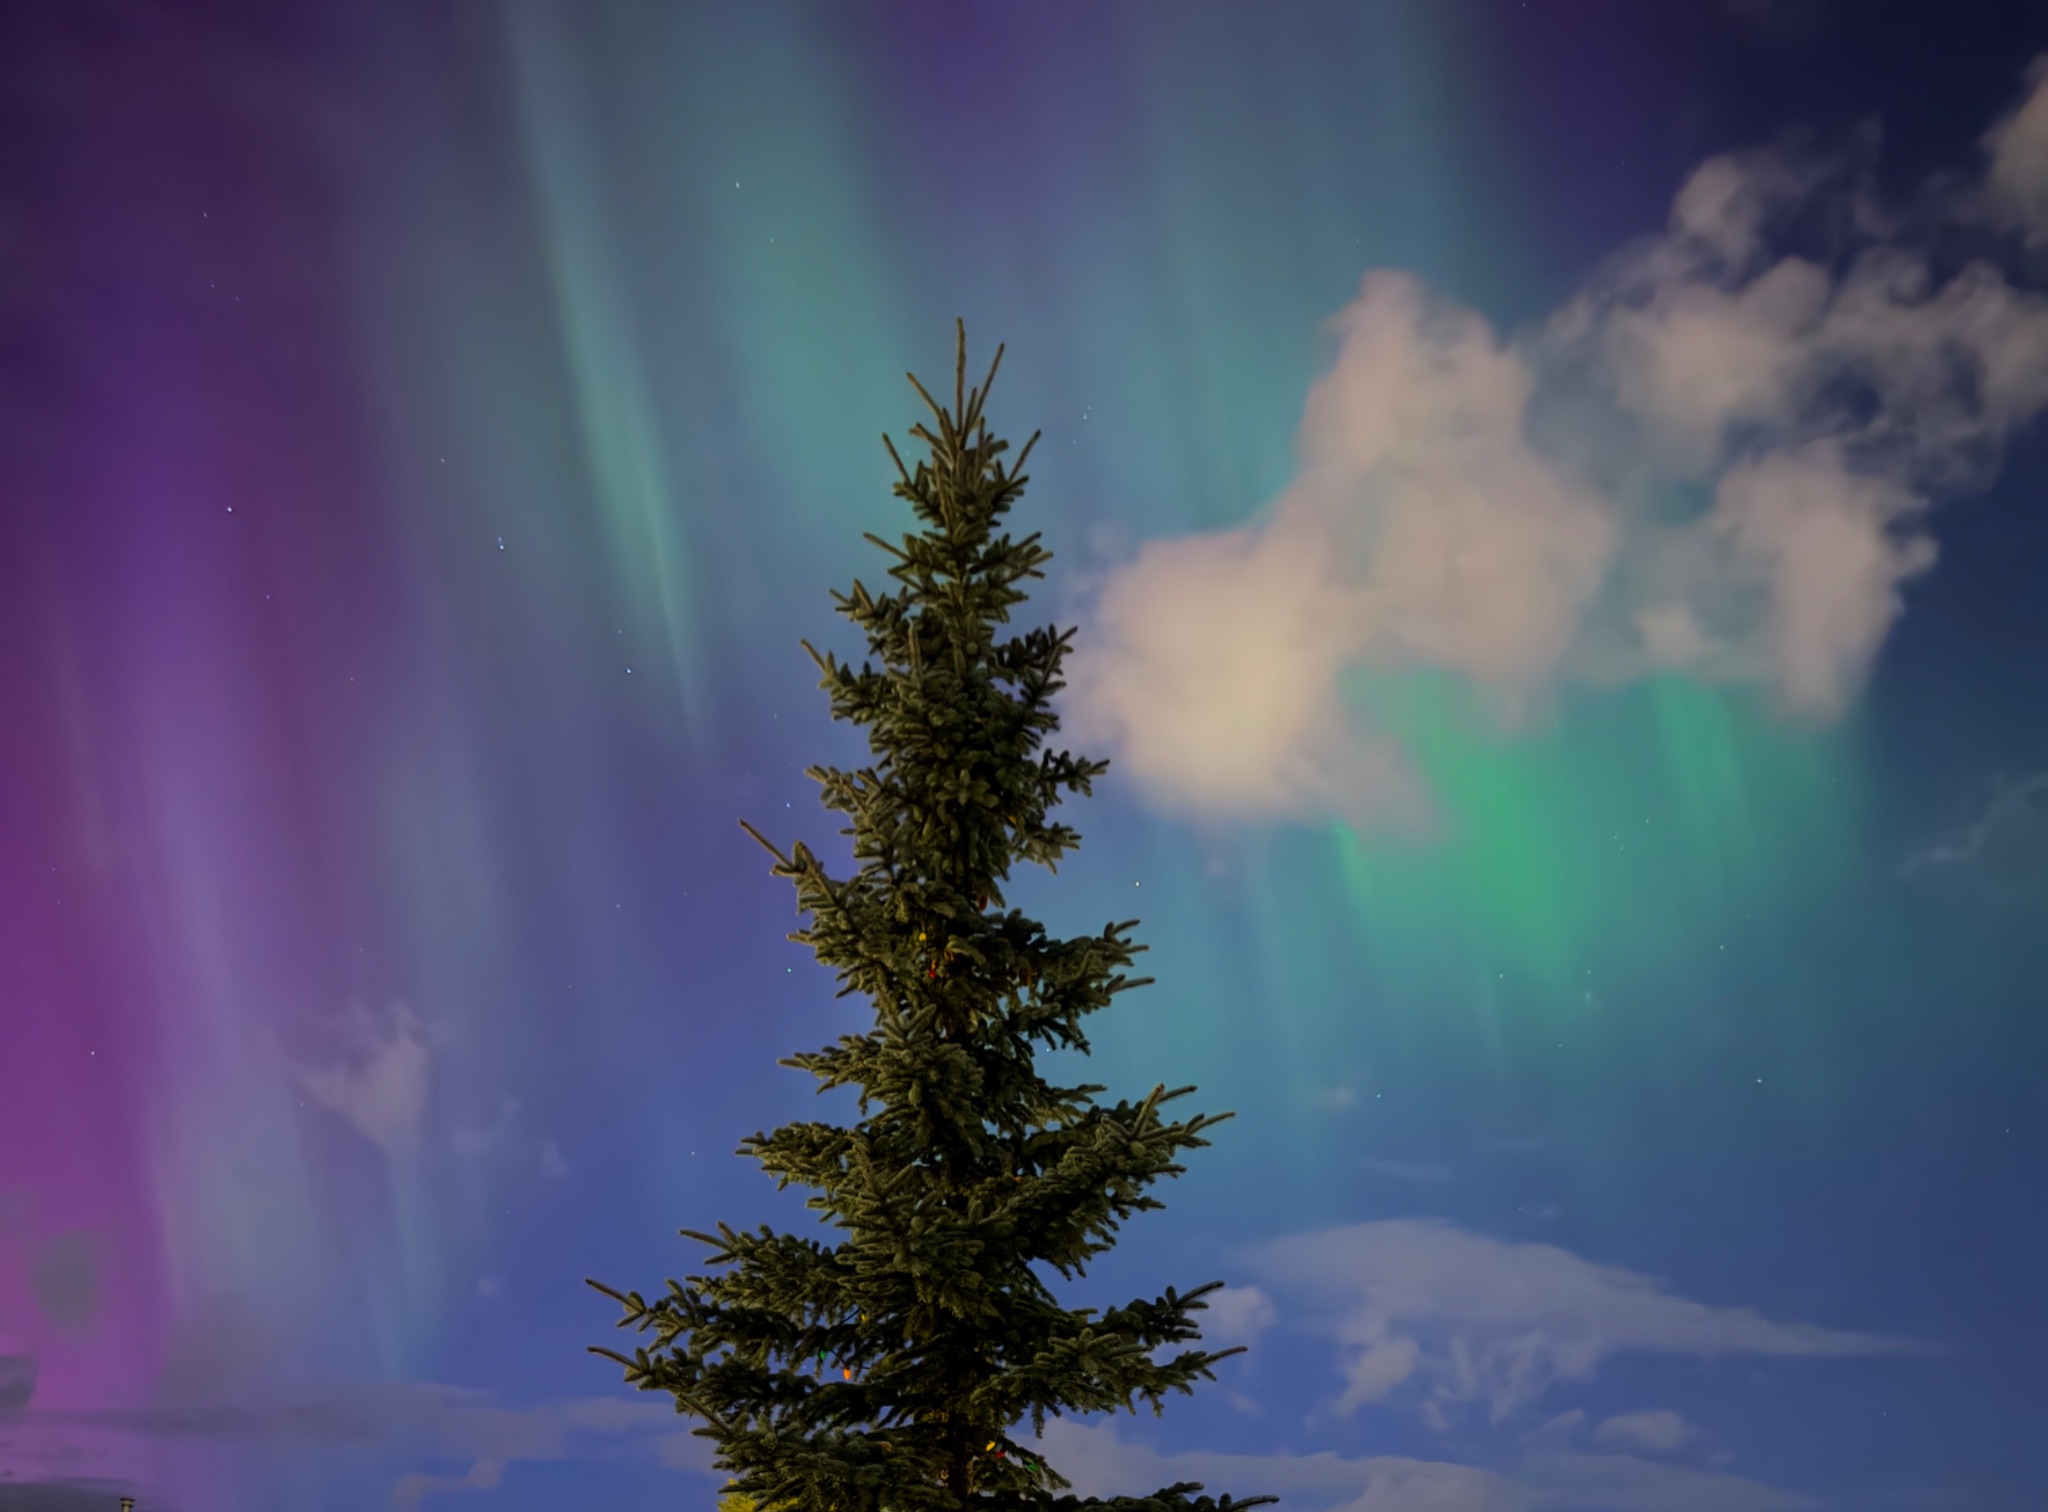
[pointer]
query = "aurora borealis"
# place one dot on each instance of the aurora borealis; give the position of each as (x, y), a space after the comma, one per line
(428, 430)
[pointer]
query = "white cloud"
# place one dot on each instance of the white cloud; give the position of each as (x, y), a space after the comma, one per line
(1717, 461)
(1214, 671)
(1655, 1432)
(380, 1080)
(1823, 544)
(1695, 354)
(552, 1165)
(1237, 1315)
(1100, 1463)
(1423, 531)
(1463, 1318)
(2016, 176)
(1469, 550)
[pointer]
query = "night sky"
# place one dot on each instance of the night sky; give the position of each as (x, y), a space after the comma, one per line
(1554, 498)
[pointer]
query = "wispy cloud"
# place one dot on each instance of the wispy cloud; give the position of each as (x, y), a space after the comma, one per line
(474, 1140)
(1100, 1463)
(2005, 845)
(1623, 1483)
(380, 1077)
(1655, 1432)
(1716, 461)
(1237, 1315)
(431, 1422)
(501, 1135)
(412, 1489)
(1457, 1317)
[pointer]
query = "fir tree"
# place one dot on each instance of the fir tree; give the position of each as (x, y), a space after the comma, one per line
(892, 1371)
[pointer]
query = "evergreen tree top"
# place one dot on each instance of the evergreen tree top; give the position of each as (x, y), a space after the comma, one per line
(887, 1372)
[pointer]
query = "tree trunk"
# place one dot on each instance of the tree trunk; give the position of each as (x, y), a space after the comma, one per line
(960, 1473)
